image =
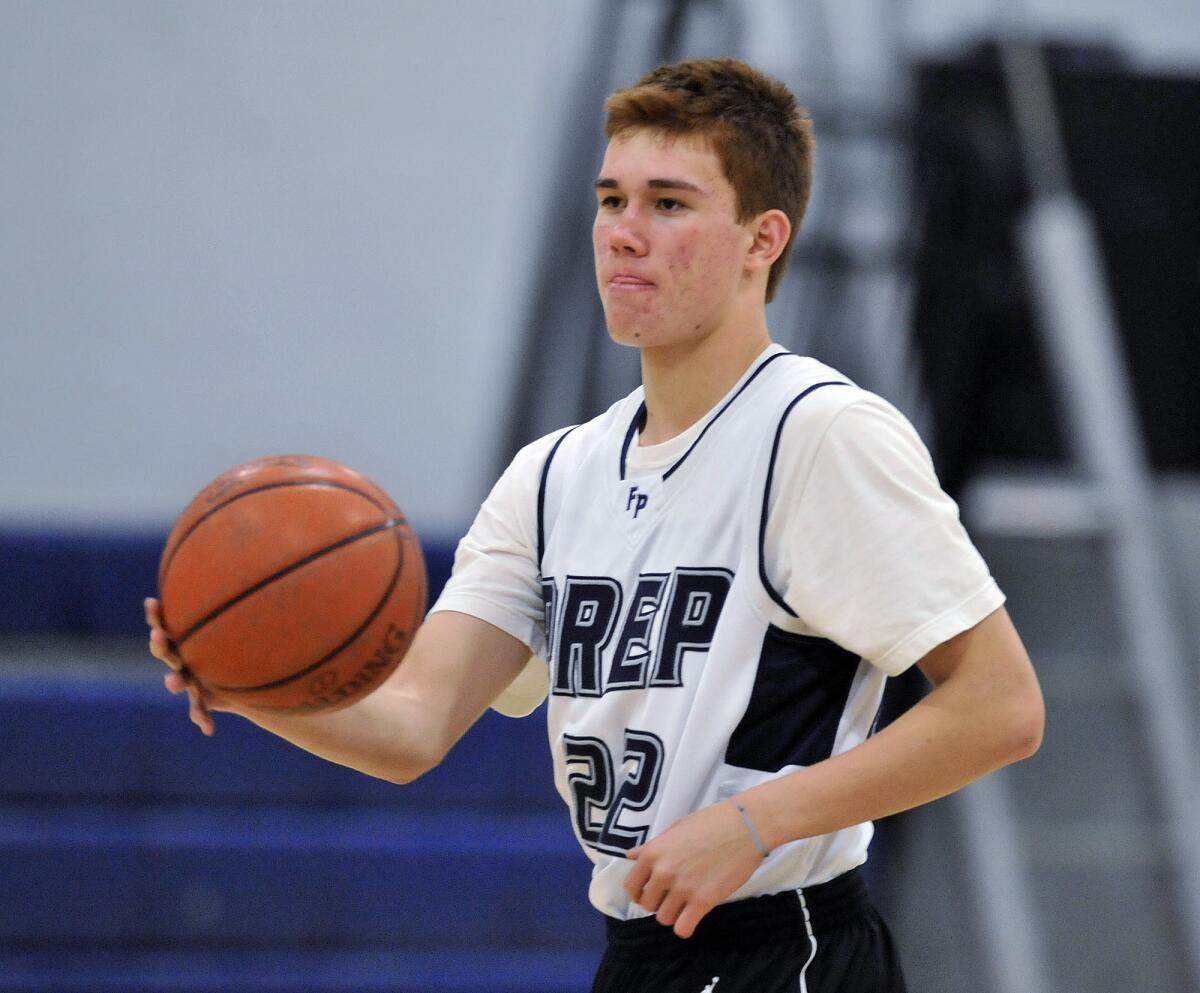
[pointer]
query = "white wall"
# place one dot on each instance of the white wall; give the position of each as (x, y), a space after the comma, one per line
(231, 227)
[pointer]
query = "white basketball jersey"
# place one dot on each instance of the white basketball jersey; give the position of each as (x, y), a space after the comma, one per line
(683, 662)
(675, 681)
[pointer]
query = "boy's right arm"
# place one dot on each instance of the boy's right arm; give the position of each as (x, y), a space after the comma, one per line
(456, 666)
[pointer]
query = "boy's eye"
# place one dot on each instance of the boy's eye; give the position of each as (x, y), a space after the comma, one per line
(668, 204)
(610, 202)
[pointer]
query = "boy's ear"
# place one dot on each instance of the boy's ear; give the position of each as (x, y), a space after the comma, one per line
(770, 231)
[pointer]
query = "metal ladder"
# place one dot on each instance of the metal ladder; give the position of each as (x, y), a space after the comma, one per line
(1036, 866)
(1108, 509)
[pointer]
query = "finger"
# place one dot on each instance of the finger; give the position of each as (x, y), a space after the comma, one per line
(175, 682)
(691, 915)
(655, 889)
(162, 648)
(198, 711)
(652, 897)
(636, 880)
(161, 645)
(668, 910)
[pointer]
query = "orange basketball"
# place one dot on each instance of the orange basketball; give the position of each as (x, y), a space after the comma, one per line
(292, 583)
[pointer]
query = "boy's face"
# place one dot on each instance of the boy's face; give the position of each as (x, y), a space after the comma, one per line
(669, 249)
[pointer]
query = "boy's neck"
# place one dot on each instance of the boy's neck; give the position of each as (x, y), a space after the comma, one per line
(683, 383)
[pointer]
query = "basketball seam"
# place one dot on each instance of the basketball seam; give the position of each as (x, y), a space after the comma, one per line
(307, 670)
(315, 483)
(289, 568)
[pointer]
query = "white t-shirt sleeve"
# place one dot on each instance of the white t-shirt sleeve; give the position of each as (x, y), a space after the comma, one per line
(863, 544)
(495, 575)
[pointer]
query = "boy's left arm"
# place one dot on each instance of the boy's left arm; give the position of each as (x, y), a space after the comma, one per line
(984, 712)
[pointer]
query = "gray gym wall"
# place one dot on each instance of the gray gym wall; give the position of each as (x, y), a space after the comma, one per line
(233, 228)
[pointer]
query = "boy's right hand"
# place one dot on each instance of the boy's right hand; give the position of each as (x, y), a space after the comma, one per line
(202, 701)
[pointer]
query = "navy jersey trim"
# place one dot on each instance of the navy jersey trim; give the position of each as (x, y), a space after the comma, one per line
(762, 526)
(639, 419)
(801, 688)
(541, 497)
(728, 404)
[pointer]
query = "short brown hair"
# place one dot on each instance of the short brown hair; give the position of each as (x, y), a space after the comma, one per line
(761, 135)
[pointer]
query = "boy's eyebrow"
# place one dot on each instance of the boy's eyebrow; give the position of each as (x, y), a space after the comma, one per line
(605, 183)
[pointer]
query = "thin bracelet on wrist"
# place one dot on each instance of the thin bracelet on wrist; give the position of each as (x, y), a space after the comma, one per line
(754, 835)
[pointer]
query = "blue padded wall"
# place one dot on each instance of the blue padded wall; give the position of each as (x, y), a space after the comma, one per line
(88, 582)
(136, 855)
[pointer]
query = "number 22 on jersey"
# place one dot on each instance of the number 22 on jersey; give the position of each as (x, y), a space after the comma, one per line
(601, 805)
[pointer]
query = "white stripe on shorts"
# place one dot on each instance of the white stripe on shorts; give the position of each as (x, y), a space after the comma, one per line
(812, 941)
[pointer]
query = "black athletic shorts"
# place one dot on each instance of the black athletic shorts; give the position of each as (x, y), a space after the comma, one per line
(823, 939)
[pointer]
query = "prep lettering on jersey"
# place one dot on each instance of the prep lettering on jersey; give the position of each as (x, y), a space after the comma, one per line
(602, 640)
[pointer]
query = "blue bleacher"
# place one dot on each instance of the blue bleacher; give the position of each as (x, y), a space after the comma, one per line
(138, 855)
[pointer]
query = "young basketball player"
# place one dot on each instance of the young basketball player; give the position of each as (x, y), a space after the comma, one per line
(715, 578)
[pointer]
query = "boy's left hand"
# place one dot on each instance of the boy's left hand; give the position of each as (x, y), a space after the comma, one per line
(693, 866)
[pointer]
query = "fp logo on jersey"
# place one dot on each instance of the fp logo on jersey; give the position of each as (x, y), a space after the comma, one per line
(636, 501)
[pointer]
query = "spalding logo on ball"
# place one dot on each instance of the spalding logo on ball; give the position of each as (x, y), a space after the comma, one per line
(292, 583)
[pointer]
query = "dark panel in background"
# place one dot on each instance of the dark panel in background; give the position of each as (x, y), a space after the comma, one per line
(1133, 143)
